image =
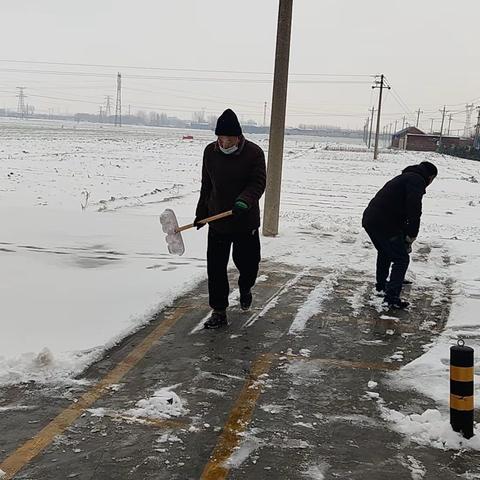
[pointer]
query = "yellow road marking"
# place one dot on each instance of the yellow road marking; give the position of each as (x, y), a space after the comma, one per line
(240, 416)
(30, 449)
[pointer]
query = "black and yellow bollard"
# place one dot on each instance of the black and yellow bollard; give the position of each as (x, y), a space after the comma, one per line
(461, 389)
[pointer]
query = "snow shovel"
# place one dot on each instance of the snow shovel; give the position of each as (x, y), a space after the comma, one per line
(174, 237)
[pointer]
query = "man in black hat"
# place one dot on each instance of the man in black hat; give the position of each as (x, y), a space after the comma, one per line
(233, 178)
(392, 220)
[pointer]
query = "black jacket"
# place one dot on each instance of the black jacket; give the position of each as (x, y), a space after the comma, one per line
(397, 207)
(228, 178)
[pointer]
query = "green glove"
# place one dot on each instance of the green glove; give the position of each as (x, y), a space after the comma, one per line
(239, 207)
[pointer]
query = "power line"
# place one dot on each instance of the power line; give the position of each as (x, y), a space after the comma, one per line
(182, 78)
(170, 69)
(295, 112)
(400, 102)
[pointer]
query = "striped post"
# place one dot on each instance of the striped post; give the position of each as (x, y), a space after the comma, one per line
(461, 389)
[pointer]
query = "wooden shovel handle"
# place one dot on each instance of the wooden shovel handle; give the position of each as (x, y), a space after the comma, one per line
(205, 220)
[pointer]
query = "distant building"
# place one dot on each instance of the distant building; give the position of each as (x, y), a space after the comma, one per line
(429, 143)
(412, 138)
(399, 138)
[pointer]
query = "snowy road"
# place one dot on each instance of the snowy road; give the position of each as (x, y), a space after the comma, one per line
(251, 401)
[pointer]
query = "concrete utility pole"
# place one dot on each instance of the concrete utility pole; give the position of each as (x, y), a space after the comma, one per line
(431, 125)
(441, 127)
(277, 119)
(418, 116)
(265, 114)
(371, 126)
(449, 123)
(379, 84)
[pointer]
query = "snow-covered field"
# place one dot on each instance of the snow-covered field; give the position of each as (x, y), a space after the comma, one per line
(84, 262)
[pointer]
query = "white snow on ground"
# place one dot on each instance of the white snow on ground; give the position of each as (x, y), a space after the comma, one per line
(313, 303)
(84, 260)
(164, 403)
(417, 469)
(249, 444)
(168, 437)
(316, 472)
(356, 300)
(430, 428)
(272, 301)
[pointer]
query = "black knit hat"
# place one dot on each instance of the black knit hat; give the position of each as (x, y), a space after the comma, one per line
(430, 168)
(227, 124)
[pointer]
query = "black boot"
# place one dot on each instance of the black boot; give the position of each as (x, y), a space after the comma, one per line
(246, 300)
(217, 319)
(396, 303)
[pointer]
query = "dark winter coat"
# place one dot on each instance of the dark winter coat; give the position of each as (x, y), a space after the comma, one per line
(228, 178)
(397, 207)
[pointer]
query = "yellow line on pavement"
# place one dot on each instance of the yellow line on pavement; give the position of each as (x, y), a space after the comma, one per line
(240, 416)
(30, 449)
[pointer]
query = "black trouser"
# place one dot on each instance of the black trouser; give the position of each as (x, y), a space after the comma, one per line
(392, 251)
(246, 256)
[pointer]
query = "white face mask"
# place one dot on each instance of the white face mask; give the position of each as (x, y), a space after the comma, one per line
(228, 151)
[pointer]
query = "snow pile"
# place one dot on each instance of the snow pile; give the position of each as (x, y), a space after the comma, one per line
(163, 404)
(430, 428)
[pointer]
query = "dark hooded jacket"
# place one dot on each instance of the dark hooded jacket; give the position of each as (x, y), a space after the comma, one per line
(228, 178)
(397, 207)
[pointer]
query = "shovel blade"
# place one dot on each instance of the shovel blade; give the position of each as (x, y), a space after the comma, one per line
(173, 238)
(175, 243)
(169, 221)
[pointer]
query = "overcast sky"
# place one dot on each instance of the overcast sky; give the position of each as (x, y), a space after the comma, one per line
(428, 50)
